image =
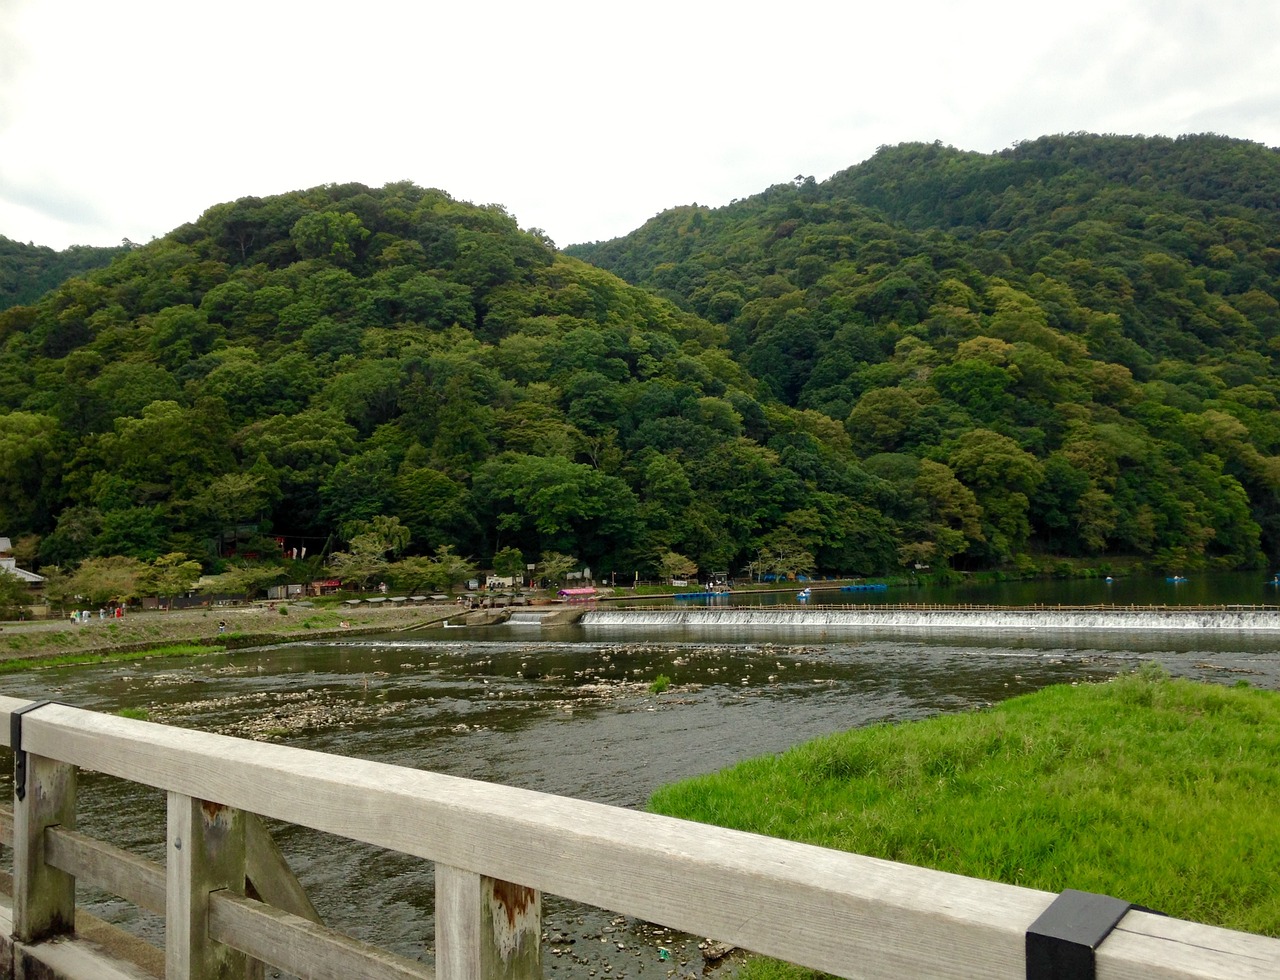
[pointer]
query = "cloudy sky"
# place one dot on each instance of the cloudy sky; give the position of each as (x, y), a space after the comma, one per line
(126, 119)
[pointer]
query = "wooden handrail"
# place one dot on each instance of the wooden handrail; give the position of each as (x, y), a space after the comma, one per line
(274, 936)
(842, 913)
(264, 931)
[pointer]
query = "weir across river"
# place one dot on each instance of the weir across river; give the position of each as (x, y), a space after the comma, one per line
(966, 619)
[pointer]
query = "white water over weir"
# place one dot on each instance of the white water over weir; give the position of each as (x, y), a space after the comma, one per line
(1247, 619)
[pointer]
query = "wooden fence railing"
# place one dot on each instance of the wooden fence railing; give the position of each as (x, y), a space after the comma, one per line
(496, 851)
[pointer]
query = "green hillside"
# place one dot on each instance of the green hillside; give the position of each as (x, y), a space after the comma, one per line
(1081, 329)
(291, 366)
(935, 357)
(27, 272)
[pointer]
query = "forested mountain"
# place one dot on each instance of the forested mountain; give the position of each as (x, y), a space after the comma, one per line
(27, 272)
(935, 357)
(1082, 329)
(301, 363)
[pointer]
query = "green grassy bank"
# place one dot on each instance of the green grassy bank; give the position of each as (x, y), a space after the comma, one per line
(1162, 792)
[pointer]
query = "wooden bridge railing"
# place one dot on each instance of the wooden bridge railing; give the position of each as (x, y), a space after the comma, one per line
(496, 850)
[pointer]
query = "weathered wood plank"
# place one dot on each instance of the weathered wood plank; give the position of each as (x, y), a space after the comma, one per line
(6, 826)
(44, 898)
(301, 947)
(72, 957)
(269, 873)
(108, 867)
(142, 882)
(486, 929)
(458, 928)
(205, 853)
(841, 913)
(1154, 947)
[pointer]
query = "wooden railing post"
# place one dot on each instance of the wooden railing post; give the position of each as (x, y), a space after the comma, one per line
(44, 898)
(205, 853)
(486, 929)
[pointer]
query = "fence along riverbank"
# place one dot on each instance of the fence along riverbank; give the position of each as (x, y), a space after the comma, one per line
(496, 850)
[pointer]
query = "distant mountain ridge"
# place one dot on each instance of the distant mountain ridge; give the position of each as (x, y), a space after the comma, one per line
(29, 271)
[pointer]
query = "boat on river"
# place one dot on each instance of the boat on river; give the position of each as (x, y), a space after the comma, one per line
(865, 587)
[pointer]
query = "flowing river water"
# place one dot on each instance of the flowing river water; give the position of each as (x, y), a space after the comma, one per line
(570, 711)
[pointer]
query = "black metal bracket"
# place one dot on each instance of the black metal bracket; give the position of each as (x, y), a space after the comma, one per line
(15, 743)
(1061, 943)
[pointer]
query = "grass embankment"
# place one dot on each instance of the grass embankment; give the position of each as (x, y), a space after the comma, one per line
(1160, 792)
(18, 665)
(47, 642)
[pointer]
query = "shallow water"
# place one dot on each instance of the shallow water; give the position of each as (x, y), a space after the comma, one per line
(569, 711)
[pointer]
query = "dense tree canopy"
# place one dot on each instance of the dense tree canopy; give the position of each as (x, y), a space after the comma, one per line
(1081, 328)
(29, 271)
(935, 358)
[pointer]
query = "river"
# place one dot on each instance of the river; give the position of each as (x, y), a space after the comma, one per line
(570, 711)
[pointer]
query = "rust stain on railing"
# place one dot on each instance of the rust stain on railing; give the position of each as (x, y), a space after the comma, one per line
(514, 900)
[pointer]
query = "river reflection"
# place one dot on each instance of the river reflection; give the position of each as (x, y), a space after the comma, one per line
(570, 712)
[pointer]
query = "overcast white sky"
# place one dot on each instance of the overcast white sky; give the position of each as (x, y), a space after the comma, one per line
(128, 118)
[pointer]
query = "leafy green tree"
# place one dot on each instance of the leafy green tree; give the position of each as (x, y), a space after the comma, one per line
(233, 499)
(15, 597)
(952, 515)
(180, 334)
(98, 581)
(358, 489)
(673, 565)
(170, 451)
(329, 235)
(125, 388)
(243, 579)
(382, 535)
(554, 566)
(783, 554)
(509, 563)
(557, 502)
(137, 532)
(436, 303)
(981, 388)
(883, 419)
(302, 452)
(1003, 477)
(438, 572)
(358, 567)
(170, 575)
(27, 459)
(433, 506)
